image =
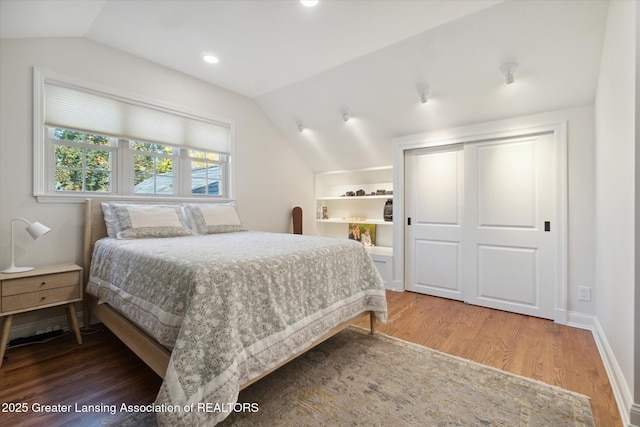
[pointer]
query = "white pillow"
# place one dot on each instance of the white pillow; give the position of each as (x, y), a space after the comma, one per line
(210, 219)
(140, 221)
(154, 216)
(109, 220)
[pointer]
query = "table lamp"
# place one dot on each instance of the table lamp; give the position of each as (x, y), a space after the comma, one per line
(36, 230)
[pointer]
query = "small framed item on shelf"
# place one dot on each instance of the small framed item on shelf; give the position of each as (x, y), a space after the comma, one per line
(363, 233)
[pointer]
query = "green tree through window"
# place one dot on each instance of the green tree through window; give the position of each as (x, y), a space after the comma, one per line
(81, 165)
(153, 161)
(88, 162)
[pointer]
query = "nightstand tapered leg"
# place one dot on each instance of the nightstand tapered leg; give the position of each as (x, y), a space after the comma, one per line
(6, 327)
(73, 321)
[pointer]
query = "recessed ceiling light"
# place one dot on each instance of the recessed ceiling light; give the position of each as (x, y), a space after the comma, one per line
(309, 3)
(210, 59)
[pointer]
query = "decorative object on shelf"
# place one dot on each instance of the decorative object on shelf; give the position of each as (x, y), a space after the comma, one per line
(35, 230)
(363, 233)
(363, 193)
(325, 213)
(388, 210)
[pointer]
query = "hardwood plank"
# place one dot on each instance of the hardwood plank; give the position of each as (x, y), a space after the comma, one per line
(535, 348)
(103, 371)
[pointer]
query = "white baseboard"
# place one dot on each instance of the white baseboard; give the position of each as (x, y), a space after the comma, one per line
(635, 416)
(581, 320)
(621, 390)
(397, 285)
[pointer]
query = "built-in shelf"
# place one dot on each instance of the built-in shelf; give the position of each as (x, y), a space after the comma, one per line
(356, 221)
(331, 190)
(383, 196)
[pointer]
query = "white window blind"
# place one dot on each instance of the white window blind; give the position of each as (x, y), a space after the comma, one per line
(105, 114)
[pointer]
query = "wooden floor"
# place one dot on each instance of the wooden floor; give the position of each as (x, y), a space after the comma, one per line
(103, 371)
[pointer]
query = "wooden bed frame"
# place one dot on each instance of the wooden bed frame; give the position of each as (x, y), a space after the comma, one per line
(143, 345)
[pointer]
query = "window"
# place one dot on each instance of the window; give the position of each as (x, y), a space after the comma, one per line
(89, 140)
(207, 172)
(153, 168)
(83, 162)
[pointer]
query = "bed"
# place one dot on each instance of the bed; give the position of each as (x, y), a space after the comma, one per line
(214, 310)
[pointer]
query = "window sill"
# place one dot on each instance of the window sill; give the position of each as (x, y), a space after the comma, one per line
(81, 198)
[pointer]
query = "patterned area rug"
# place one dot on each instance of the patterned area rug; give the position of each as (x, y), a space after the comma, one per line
(358, 379)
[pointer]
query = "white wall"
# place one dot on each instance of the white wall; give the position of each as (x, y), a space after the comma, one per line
(615, 206)
(271, 177)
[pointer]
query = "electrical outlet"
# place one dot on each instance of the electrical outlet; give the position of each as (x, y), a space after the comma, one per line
(584, 293)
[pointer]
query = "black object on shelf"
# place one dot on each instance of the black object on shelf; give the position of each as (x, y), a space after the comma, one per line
(388, 210)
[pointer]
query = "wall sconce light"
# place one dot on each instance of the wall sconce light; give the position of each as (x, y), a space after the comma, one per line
(423, 91)
(300, 127)
(35, 230)
(508, 70)
(345, 115)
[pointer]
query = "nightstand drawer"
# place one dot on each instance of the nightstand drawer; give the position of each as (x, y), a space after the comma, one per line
(34, 300)
(40, 283)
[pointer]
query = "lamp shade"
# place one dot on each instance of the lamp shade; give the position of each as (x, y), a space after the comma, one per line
(37, 230)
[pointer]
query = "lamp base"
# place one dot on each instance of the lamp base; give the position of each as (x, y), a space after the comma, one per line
(14, 269)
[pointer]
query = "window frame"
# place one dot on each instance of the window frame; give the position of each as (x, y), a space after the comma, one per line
(44, 164)
(223, 164)
(177, 165)
(53, 167)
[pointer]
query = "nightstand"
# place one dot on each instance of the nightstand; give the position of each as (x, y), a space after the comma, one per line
(41, 287)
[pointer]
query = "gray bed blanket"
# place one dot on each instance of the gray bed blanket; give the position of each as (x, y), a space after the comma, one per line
(232, 306)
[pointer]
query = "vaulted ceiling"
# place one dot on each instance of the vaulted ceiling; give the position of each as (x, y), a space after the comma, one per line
(307, 66)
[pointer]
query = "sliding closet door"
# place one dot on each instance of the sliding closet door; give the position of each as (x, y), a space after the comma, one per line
(482, 223)
(434, 196)
(509, 232)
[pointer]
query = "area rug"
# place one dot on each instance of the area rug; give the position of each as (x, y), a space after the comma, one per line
(355, 378)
